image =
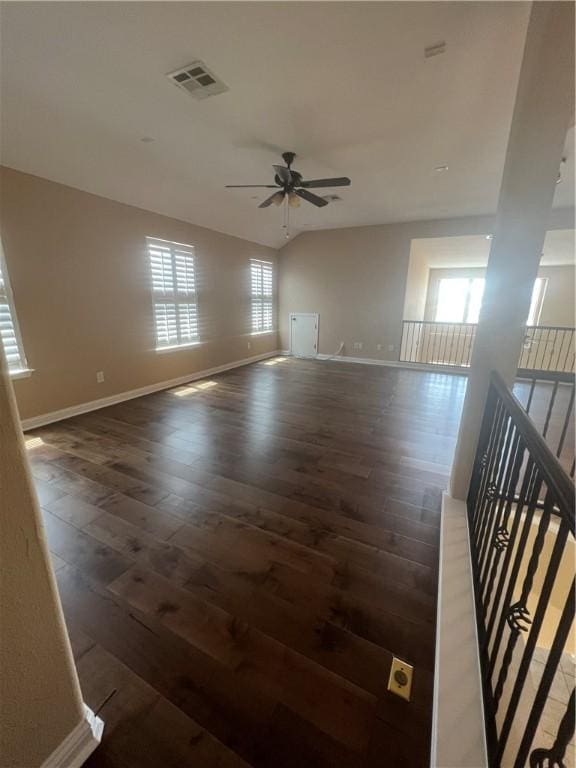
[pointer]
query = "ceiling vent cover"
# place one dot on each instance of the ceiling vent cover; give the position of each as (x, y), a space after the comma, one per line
(198, 80)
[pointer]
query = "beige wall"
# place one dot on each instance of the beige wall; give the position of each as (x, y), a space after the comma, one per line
(558, 304)
(40, 700)
(356, 279)
(362, 281)
(80, 278)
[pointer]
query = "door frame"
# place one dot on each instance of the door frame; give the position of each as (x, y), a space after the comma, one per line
(316, 317)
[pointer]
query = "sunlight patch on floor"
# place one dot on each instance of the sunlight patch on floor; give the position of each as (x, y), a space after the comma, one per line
(276, 360)
(196, 387)
(33, 442)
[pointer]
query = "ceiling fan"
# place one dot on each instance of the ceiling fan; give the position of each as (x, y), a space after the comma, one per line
(290, 184)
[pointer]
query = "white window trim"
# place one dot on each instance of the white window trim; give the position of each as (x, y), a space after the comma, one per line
(262, 297)
(176, 297)
(539, 302)
(25, 371)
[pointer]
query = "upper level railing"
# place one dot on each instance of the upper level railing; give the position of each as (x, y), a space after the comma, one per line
(545, 348)
(521, 526)
(546, 380)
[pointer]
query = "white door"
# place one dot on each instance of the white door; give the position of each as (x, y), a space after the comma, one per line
(304, 334)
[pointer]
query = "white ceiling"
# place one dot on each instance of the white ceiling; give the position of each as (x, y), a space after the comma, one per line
(473, 250)
(345, 85)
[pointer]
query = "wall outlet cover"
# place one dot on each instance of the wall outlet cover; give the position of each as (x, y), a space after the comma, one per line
(99, 376)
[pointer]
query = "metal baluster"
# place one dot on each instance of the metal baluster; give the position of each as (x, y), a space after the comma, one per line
(526, 491)
(489, 458)
(550, 407)
(513, 576)
(479, 467)
(442, 341)
(565, 367)
(500, 537)
(532, 387)
(427, 359)
(518, 615)
(540, 758)
(497, 501)
(550, 365)
(564, 626)
(489, 488)
(539, 613)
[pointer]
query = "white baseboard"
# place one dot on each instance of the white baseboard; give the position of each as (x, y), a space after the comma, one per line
(79, 744)
(457, 706)
(395, 364)
(75, 410)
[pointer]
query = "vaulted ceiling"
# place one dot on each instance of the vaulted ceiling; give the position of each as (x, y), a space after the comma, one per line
(345, 85)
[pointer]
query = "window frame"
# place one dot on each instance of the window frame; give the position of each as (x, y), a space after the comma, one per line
(175, 297)
(261, 298)
(7, 295)
(539, 303)
(467, 299)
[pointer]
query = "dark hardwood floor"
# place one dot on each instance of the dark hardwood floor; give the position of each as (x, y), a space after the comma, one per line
(239, 559)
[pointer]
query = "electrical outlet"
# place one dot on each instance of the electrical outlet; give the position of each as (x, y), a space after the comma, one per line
(390, 347)
(379, 347)
(249, 345)
(358, 345)
(99, 376)
(400, 680)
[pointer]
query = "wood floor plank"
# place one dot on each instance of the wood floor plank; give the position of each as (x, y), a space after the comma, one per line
(239, 559)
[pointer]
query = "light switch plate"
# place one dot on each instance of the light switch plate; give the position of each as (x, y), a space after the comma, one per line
(400, 680)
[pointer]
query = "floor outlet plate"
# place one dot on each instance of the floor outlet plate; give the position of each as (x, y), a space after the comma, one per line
(400, 680)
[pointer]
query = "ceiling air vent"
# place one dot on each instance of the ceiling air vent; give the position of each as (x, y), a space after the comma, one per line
(198, 80)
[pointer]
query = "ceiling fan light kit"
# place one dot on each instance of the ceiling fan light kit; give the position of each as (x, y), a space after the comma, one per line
(290, 186)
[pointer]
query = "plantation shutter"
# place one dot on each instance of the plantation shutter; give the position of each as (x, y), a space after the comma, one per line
(262, 289)
(8, 326)
(174, 289)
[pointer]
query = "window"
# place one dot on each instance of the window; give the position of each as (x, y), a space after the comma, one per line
(9, 330)
(174, 292)
(537, 300)
(261, 279)
(459, 299)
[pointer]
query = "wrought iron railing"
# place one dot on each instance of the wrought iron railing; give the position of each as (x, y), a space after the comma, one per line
(548, 398)
(521, 525)
(545, 348)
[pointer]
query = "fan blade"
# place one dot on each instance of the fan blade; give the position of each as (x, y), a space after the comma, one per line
(341, 181)
(269, 200)
(283, 174)
(314, 199)
(252, 186)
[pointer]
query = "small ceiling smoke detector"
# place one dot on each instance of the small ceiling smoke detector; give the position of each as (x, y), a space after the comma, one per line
(147, 139)
(332, 198)
(434, 50)
(198, 80)
(441, 168)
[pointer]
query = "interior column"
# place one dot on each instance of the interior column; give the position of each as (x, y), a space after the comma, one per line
(40, 699)
(543, 113)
